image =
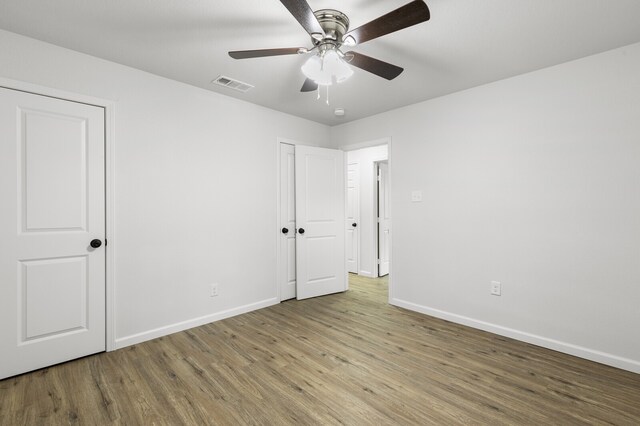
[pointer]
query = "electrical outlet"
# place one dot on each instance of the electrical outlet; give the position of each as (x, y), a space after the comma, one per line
(496, 288)
(213, 290)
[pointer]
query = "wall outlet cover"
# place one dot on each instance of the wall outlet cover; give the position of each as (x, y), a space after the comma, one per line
(213, 290)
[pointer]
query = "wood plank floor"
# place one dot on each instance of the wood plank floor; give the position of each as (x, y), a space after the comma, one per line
(340, 359)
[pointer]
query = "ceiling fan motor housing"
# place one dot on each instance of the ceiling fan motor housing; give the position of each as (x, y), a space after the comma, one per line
(335, 25)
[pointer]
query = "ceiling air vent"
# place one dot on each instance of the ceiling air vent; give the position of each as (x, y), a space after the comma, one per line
(232, 84)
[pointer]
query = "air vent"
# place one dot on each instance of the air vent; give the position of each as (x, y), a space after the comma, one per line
(232, 84)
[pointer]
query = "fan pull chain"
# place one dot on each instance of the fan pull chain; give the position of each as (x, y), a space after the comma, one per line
(318, 92)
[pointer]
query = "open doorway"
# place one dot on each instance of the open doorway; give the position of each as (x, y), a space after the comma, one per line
(368, 218)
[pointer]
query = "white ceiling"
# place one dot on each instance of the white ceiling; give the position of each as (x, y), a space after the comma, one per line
(466, 43)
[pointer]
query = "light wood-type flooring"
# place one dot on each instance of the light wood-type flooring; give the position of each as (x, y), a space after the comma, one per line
(342, 359)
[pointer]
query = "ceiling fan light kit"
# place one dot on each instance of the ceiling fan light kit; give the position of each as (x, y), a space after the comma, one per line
(326, 68)
(329, 31)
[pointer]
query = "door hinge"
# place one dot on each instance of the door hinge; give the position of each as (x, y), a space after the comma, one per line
(105, 241)
(378, 261)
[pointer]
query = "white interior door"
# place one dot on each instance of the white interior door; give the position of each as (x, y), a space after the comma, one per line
(320, 244)
(287, 240)
(353, 216)
(52, 282)
(383, 219)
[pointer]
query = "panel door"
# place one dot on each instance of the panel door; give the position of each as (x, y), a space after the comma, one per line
(52, 282)
(320, 244)
(383, 219)
(353, 216)
(287, 240)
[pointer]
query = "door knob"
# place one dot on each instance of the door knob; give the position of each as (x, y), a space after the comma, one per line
(354, 224)
(301, 231)
(95, 243)
(285, 230)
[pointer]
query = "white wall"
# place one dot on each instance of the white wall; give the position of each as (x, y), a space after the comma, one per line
(368, 229)
(195, 194)
(533, 181)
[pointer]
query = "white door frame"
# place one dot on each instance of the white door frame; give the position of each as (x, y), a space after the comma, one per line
(368, 144)
(109, 112)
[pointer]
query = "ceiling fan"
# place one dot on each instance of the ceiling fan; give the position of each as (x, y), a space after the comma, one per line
(329, 31)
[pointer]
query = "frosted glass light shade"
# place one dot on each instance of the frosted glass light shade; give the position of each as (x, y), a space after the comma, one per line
(324, 70)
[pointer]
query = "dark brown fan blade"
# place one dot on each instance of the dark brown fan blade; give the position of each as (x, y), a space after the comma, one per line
(245, 54)
(374, 66)
(301, 10)
(406, 16)
(309, 86)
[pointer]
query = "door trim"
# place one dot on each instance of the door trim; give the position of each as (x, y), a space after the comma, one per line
(109, 168)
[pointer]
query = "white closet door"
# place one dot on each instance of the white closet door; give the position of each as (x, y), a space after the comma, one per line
(353, 216)
(52, 282)
(320, 244)
(287, 239)
(383, 219)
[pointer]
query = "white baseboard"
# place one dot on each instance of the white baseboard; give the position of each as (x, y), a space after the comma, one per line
(367, 274)
(568, 348)
(195, 322)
